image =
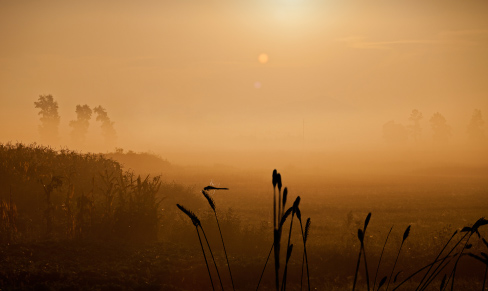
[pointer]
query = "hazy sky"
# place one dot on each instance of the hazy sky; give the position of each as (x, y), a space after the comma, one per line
(186, 73)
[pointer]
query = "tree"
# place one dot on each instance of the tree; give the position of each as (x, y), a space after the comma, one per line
(415, 129)
(442, 131)
(107, 126)
(81, 124)
(394, 133)
(476, 132)
(49, 118)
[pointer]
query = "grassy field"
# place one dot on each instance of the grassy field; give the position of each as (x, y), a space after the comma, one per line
(433, 205)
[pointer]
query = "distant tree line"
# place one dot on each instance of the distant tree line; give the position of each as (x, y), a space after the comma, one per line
(397, 133)
(50, 120)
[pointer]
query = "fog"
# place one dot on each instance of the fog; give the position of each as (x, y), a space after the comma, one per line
(185, 81)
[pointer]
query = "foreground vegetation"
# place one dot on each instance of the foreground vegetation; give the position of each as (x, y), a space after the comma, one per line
(131, 236)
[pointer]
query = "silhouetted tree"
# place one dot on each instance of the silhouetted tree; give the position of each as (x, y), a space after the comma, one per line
(49, 118)
(415, 129)
(108, 130)
(475, 128)
(81, 124)
(394, 132)
(442, 131)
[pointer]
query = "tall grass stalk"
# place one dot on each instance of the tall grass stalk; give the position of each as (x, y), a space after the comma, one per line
(381, 256)
(288, 255)
(405, 236)
(212, 205)
(304, 238)
(277, 232)
(213, 258)
(196, 223)
(265, 264)
(440, 253)
(288, 250)
(361, 235)
(420, 270)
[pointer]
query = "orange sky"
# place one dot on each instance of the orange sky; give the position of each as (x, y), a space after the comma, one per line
(186, 73)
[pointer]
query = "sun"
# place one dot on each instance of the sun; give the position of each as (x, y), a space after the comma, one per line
(263, 58)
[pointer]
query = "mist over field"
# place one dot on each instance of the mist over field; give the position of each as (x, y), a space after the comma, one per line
(113, 113)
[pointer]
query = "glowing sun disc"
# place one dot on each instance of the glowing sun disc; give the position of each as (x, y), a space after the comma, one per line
(263, 58)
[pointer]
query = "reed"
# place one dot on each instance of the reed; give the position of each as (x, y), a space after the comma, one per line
(196, 223)
(211, 202)
(361, 235)
(379, 262)
(405, 236)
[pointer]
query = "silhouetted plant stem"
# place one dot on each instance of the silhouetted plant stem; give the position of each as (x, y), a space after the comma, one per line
(366, 266)
(440, 253)
(205, 257)
(405, 235)
(277, 232)
(277, 236)
(420, 270)
(381, 256)
(215, 264)
(357, 269)
(288, 250)
(304, 237)
(225, 251)
(212, 205)
(361, 235)
(453, 273)
(266, 263)
(288, 255)
(436, 272)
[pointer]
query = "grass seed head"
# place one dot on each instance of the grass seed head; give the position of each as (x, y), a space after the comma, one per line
(285, 195)
(288, 252)
(190, 214)
(307, 229)
(360, 235)
(275, 178)
(366, 221)
(210, 200)
(285, 216)
(406, 233)
(296, 203)
(278, 181)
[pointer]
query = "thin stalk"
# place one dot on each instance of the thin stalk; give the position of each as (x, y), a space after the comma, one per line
(357, 269)
(225, 251)
(366, 266)
(205, 257)
(394, 265)
(381, 256)
(457, 261)
(430, 278)
(305, 250)
(420, 270)
(274, 207)
(445, 246)
(277, 238)
(262, 273)
(287, 248)
(215, 264)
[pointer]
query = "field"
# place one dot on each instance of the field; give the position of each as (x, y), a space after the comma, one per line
(434, 205)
